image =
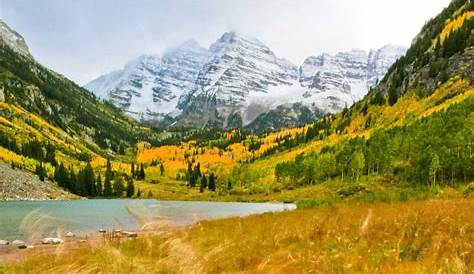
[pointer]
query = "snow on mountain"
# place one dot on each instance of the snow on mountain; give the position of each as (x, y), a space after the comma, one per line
(242, 68)
(346, 77)
(13, 39)
(239, 77)
(381, 60)
(150, 87)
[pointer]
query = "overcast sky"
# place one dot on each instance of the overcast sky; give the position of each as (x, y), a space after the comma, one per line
(83, 39)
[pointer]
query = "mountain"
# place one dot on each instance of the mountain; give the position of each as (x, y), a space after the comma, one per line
(14, 40)
(239, 79)
(150, 87)
(40, 105)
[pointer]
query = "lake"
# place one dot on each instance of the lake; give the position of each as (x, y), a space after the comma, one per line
(31, 220)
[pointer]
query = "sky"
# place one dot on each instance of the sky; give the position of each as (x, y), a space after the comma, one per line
(83, 39)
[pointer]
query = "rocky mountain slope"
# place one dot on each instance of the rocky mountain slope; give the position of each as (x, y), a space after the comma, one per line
(239, 79)
(150, 87)
(26, 84)
(13, 39)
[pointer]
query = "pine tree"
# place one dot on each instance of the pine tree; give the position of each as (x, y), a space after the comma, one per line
(99, 190)
(197, 170)
(89, 177)
(212, 182)
(132, 171)
(192, 180)
(142, 172)
(40, 171)
(107, 182)
(130, 188)
(203, 185)
(139, 193)
(73, 180)
(118, 186)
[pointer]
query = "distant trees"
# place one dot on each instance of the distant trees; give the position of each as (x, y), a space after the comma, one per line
(194, 176)
(138, 173)
(432, 150)
(86, 183)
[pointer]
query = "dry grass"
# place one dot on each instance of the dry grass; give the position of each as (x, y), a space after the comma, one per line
(434, 236)
(419, 237)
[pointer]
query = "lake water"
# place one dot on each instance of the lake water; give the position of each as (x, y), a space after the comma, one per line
(31, 220)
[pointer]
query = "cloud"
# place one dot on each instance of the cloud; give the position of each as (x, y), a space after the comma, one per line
(84, 39)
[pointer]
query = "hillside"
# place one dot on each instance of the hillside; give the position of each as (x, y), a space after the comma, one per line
(46, 119)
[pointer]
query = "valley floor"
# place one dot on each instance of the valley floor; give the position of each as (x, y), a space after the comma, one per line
(430, 236)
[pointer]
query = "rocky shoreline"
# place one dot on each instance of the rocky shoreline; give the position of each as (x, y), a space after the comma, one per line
(16, 184)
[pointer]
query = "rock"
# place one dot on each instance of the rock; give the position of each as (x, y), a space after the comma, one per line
(82, 241)
(130, 234)
(70, 234)
(3, 242)
(102, 230)
(30, 246)
(54, 241)
(19, 243)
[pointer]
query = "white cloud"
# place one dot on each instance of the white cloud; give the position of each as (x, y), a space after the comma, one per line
(84, 39)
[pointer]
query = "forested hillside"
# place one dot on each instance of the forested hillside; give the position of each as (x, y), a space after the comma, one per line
(47, 120)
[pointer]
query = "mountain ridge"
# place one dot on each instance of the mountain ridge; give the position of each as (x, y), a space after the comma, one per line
(247, 80)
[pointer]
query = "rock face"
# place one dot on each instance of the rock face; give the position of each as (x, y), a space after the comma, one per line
(13, 39)
(20, 185)
(150, 87)
(238, 80)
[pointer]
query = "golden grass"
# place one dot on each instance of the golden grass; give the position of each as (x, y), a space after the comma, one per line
(419, 237)
(435, 236)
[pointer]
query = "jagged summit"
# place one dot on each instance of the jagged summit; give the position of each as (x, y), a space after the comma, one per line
(237, 79)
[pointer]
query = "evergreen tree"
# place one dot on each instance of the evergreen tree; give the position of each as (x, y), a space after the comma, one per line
(212, 182)
(107, 186)
(73, 180)
(130, 188)
(197, 170)
(99, 190)
(118, 186)
(139, 193)
(203, 184)
(89, 181)
(108, 171)
(40, 171)
(192, 180)
(142, 172)
(132, 171)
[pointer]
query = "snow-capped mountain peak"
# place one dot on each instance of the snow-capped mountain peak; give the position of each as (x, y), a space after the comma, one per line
(237, 79)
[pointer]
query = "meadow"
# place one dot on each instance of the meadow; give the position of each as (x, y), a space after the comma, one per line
(430, 236)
